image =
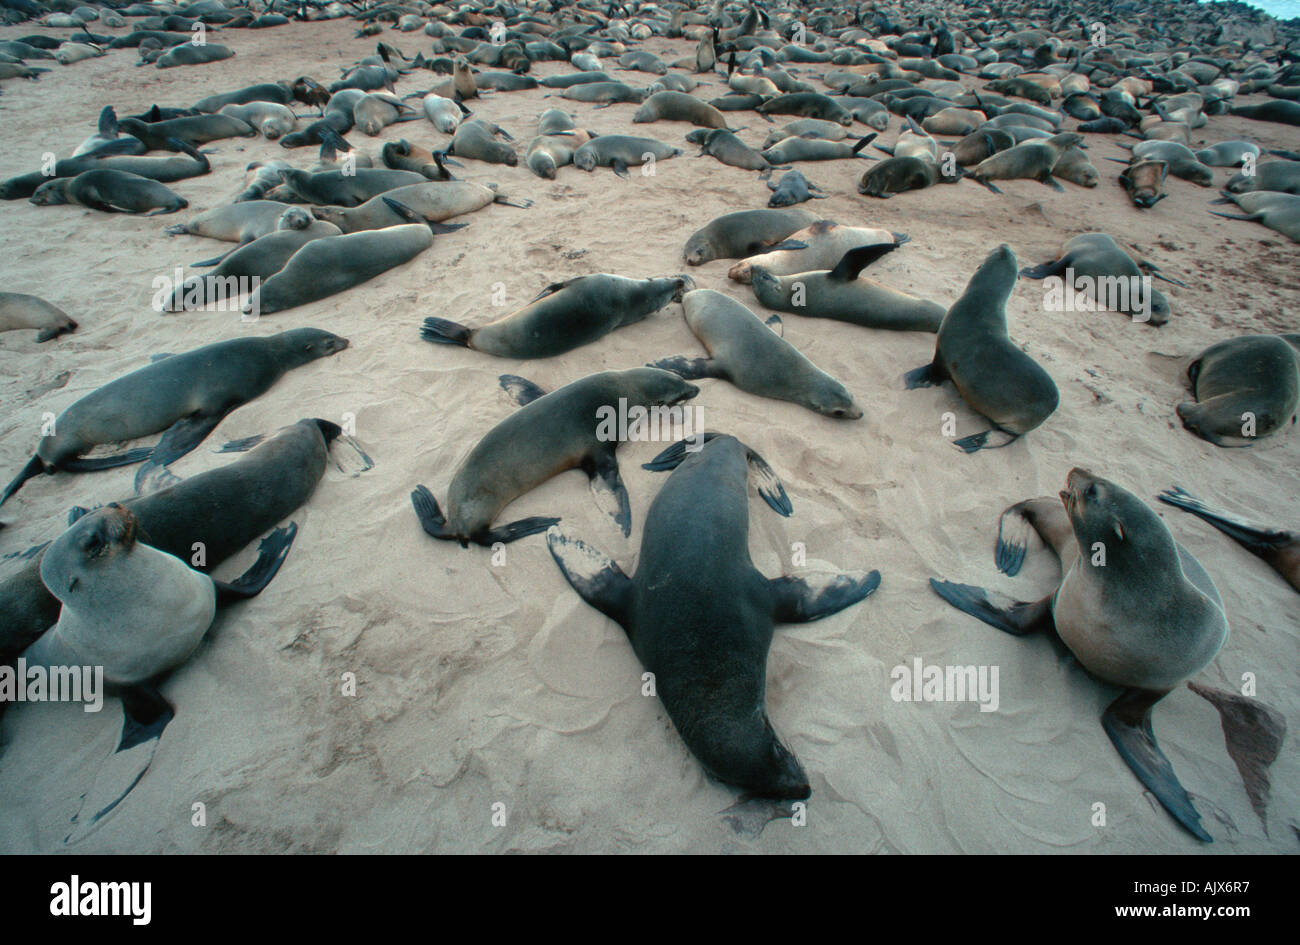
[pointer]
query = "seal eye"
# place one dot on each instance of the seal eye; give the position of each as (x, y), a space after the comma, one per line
(1091, 491)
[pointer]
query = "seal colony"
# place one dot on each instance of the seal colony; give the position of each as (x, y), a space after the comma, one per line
(699, 109)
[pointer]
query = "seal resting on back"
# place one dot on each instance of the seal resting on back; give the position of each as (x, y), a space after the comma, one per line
(701, 617)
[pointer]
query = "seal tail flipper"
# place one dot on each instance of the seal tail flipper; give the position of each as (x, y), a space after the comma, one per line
(855, 260)
(521, 390)
(440, 331)
(145, 715)
(1043, 271)
(611, 495)
(35, 466)
(100, 463)
(431, 517)
(1127, 721)
(800, 600)
(1253, 733)
(1257, 539)
(673, 456)
(988, 440)
(1018, 618)
(689, 368)
(507, 202)
(596, 578)
(271, 553)
(181, 437)
(776, 324)
(514, 531)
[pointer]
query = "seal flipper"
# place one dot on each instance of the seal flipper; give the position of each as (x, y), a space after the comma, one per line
(99, 463)
(521, 390)
(554, 287)
(928, 375)
(145, 715)
(1013, 539)
(1046, 269)
(800, 600)
(181, 437)
(988, 440)
(1127, 721)
(440, 331)
(1253, 733)
(1257, 539)
(855, 260)
(620, 168)
(1018, 618)
(271, 553)
(692, 369)
(607, 486)
(767, 482)
(597, 579)
(35, 466)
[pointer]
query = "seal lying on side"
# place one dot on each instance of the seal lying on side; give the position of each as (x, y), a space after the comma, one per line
(186, 395)
(110, 191)
(838, 293)
(1135, 608)
(1114, 275)
(565, 316)
(1280, 212)
(139, 613)
(752, 356)
(701, 617)
(974, 351)
(743, 233)
(619, 152)
(550, 434)
(1278, 547)
(431, 202)
(1245, 388)
(224, 508)
(18, 310)
(824, 245)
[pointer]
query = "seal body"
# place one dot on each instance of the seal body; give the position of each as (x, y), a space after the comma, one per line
(19, 310)
(1246, 389)
(743, 233)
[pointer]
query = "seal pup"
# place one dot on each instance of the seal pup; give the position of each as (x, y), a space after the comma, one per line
(701, 617)
(401, 155)
(110, 191)
(791, 189)
(183, 396)
(1246, 388)
(19, 310)
(743, 233)
(138, 613)
(753, 357)
(194, 130)
(1279, 547)
(1111, 270)
(566, 315)
(991, 373)
(1144, 616)
(898, 175)
(549, 434)
(839, 294)
(728, 149)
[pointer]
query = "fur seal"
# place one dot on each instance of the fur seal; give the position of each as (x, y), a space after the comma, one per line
(224, 508)
(1148, 619)
(1280, 212)
(432, 202)
(111, 192)
(606, 93)
(678, 106)
(187, 54)
(1145, 181)
(752, 356)
(819, 246)
(619, 152)
(271, 119)
(1246, 388)
(839, 294)
(401, 155)
(1101, 260)
(192, 129)
(1278, 547)
(730, 150)
(276, 92)
(1030, 159)
(566, 315)
(242, 222)
(816, 149)
(344, 188)
(477, 139)
(549, 434)
(443, 113)
(897, 175)
(700, 616)
(1182, 161)
(791, 189)
(1279, 110)
(1278, 176)
(18, 311)
(183, 396)
(1226, 153)
(333, 264)
(743, 233)
(189, 163)
(974, 351)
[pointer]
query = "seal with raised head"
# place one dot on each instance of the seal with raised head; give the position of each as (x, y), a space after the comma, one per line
(840, 294)
(743, 233)
(701, 617)
(991, 373)
(1245, 388)
(19, 310)
(1135, 608)
(566, 315)
(755, 358)
(549, 434)
(1279, 547)
(186, 395)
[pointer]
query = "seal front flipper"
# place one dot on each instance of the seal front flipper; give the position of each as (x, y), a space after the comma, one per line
(607, 486)
(1046, 269)
(99, 463)
(988, 440)
(619, 167)
(800, 600)
(181, 437)
(554, 287)
(271, 553)
(145, 715)
(1019, 618)
(1127, 721)
(855, 260)
(1253, 734)
(521, 390)
(597, 578)
(927, 375)
(692, 369)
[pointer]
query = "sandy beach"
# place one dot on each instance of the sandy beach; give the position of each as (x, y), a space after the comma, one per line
(481, 683)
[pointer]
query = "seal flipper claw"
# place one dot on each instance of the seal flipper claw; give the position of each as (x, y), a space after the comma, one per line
(801, 600)
(521, 390)
(611, 495)
(1018, 618)
(271, 553)
(597, 579)
(1127, 721)
(1253, 733)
